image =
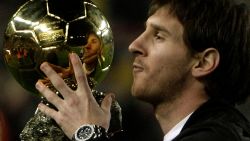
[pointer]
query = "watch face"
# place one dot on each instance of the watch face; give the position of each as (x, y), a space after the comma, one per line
(85, 132)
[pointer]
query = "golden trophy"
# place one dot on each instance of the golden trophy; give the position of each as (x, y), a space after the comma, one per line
(48, 30)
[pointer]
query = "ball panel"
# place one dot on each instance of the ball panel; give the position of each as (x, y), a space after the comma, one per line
(20, 57)
(67, 9)
(78, 32)
(29, 15)
(50, 31)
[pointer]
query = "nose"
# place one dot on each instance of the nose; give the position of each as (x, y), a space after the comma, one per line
(88, 46)
(137, 46)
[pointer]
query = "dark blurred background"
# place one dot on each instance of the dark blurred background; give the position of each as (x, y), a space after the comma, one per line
(127, 21)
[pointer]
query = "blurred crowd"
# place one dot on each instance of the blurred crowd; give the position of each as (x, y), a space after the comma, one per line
(126, 19)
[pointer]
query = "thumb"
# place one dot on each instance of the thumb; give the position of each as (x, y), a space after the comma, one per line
(107, 102)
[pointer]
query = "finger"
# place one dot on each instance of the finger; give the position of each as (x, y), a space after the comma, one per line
(47, 111)
(79, 74)
(56, 80)
(58, 69)
(44, 81)
(90, 58)
(107, 102)
(49, 95)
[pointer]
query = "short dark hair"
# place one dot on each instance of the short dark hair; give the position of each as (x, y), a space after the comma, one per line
(223, 25)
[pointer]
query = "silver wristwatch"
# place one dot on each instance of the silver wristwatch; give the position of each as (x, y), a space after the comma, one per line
(89, 132)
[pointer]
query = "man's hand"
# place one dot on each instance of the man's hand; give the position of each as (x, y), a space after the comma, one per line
(78, 107)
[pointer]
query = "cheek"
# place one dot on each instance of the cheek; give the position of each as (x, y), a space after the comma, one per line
(165, 67)
(157, 63)
(157, 74)
(96, 48)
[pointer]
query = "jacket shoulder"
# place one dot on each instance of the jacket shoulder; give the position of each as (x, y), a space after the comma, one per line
(215, 121)
(213, 131)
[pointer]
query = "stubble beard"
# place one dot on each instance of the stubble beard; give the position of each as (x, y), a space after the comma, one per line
(165, 93)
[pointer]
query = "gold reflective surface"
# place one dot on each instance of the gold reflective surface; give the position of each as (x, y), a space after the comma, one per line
(45, 30)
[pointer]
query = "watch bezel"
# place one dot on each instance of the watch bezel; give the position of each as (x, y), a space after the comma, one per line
(88, 136)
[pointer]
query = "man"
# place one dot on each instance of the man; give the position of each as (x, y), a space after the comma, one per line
(92, 52)
(192, 63)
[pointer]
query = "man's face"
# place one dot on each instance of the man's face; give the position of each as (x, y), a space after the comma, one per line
(92, 49)
(162, 61)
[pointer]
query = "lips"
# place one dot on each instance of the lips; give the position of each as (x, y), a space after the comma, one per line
(137, 67)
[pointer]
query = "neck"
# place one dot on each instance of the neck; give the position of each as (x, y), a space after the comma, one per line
(171, 113)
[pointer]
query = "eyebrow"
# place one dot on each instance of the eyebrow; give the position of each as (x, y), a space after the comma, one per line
(158, 28)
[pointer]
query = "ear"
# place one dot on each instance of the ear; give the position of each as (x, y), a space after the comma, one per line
(206, 62)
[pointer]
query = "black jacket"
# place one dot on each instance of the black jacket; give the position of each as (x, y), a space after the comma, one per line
(215, 121)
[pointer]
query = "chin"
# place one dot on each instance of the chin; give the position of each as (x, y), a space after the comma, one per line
(145, 96)
(140, 94)
(135, 93)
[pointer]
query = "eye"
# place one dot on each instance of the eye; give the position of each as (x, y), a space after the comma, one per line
(94, 41)
(158, 36)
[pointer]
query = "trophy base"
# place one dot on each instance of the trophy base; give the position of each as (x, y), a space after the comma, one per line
(42, 128)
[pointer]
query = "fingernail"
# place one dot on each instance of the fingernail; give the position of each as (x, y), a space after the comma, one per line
(39, 85)
(43, 66)
(72, 55)
(112, 96)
